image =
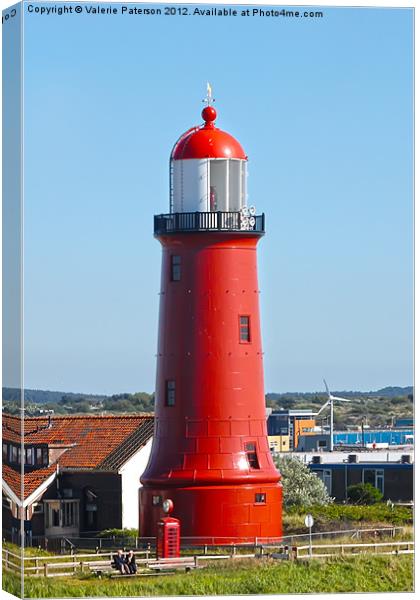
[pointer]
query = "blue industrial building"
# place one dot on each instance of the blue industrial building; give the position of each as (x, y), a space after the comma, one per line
(393, 437)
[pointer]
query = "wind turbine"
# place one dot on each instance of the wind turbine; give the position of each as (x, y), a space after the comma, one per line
(330, 402)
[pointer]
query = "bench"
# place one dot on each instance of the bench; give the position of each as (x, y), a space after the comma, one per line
(101, 569)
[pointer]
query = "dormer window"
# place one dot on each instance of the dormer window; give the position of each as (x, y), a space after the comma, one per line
(5, 453)
(13, 454)
(41, 456)
(29, 456)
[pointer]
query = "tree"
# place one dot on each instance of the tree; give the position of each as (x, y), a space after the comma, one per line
(301, 487)
(364, 493)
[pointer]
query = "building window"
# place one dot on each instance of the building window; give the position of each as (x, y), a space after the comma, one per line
(251, 454)
(170, 393)
(41, 456)
(64, 513)
(156, 500)
(244, 329)
(375, 477)
(70, 514)
(5, 452)
(175, 268)
(6, 502)
(13, 454)
(260, 499)
(91, 509)
(29, 456)
(37, 508)
(53, 515)
(325, 477)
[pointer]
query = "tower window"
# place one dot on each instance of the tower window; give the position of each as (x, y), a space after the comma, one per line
(175, 268)
(251, 454)
(260, 499)
(170, 393)
(244, 329)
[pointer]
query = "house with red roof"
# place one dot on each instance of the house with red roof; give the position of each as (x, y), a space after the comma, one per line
(80, 473)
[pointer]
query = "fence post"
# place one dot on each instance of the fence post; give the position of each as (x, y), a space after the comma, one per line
(45, 569)
(81, 566)
(294, 553)
(195, 562)
(36, 566)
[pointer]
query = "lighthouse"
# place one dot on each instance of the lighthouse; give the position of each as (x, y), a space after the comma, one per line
(210, 454)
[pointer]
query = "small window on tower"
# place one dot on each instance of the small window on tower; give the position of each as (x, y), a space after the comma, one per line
(260, 499)
(251, 454)
(170, 393)
(175, 268)
(244, 329)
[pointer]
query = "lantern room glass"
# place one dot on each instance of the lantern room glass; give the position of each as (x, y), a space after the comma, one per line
(219, 185)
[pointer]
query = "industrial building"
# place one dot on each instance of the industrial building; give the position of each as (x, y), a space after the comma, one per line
(389, 471)
(286, 426)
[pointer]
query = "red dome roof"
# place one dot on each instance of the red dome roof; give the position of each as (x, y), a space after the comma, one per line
(207, 141)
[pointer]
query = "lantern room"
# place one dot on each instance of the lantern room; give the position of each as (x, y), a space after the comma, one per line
(208, 170)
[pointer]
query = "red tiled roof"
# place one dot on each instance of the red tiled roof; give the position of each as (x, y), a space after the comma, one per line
(89, 442)
(32, 480)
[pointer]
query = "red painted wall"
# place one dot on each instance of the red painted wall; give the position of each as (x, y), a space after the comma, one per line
(199, 456)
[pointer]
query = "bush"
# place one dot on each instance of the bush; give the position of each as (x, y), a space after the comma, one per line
(301, 487)
(119, 533)
(364, 493)
(375, 513)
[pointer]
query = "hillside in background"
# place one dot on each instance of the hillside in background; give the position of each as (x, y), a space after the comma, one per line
(376, 408)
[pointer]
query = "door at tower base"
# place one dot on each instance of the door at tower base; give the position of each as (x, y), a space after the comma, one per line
(217, 514)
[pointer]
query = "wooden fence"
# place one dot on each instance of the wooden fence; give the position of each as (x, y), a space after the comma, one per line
(74, 564)
(331, 550)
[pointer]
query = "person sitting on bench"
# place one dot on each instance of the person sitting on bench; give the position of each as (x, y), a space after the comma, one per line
(130, 560)
(120, 563)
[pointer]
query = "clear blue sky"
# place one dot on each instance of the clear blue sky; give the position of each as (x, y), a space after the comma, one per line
(323, 108)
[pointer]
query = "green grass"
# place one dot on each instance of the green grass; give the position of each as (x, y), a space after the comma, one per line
(358, 574)
(353, 515)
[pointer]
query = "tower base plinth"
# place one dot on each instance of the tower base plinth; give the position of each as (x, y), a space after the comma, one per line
(216, 515)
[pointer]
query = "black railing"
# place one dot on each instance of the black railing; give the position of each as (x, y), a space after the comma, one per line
(208, 221)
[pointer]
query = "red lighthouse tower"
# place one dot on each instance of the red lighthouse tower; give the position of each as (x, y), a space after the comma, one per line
(210, 453)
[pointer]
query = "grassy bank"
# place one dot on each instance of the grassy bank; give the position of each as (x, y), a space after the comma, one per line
(358, 574)
(346, 516)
